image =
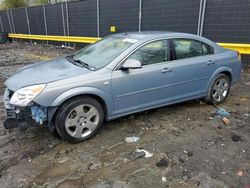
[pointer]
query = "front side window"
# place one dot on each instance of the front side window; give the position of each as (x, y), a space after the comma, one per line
(152, 53)
(103, 52)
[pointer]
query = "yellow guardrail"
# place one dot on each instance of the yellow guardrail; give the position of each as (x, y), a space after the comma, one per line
(55, 38)
(241, 48)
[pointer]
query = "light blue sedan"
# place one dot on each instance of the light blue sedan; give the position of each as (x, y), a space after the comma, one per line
(116, 76)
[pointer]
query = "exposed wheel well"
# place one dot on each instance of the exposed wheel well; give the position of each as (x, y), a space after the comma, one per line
(228, 74)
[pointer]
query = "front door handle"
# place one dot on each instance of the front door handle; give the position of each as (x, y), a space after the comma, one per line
(165, 70)
(210, 62)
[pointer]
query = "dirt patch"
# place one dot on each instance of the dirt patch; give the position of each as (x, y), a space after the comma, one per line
(200, 150)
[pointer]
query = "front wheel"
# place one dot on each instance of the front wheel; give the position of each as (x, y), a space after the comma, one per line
(218, 90)
(79, 119)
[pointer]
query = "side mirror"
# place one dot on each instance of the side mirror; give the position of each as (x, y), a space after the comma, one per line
(131, 64)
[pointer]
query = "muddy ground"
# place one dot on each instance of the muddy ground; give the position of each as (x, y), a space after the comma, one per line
(195, 148)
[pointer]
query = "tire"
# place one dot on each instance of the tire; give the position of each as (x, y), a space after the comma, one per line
(218, 90)
(79, 119)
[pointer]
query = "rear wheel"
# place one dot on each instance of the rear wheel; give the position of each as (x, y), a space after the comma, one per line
(219, 89)
(79, 119)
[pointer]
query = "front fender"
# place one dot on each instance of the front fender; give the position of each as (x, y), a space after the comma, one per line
(81, 91)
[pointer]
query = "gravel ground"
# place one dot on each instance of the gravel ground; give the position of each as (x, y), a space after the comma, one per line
(190, 147)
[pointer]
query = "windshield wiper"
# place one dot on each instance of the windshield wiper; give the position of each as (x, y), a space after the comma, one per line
(78, 62)
(81, 62)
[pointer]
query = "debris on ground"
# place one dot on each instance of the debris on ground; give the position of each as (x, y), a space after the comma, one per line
(222, 112)
(147, 154)
(189, 153)
(135, 155)
(163, 179)
(235, 137)
(243, 99)
(162, 163)
(132, 139)
(225, 120)
(240, 173)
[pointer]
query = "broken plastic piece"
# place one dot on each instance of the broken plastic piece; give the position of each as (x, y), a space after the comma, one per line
(132, 139)
(222, 112)
(147, 154)
(39, 114)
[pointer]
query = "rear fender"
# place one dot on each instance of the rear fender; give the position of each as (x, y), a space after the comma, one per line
(218, 71)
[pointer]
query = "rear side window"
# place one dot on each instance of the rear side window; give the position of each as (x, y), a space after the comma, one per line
(186, 48)
(207, 49)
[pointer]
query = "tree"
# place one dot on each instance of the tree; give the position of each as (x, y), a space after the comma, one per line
(8, 4)
(40, 2)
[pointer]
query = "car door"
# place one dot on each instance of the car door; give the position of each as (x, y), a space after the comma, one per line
(146, 87)
(193, 66)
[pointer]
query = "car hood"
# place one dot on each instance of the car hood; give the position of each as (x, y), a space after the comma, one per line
(44, 72)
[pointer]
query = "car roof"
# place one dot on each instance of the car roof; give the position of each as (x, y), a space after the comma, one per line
(155, 34)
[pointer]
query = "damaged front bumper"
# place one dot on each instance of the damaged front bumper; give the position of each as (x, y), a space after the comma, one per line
(24, 117)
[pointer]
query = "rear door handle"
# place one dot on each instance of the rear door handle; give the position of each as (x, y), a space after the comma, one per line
(165, 70)
(210, 62)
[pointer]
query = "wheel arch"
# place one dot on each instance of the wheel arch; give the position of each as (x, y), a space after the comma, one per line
(222, 70)
(100, 96)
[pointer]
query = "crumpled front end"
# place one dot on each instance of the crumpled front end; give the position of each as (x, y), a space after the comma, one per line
(23, 117)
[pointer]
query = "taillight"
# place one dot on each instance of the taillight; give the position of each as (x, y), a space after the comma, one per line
(238, 54)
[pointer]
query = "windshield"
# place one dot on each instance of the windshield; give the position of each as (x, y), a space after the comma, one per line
(103, 52)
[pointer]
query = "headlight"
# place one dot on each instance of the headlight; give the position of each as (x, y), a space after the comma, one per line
(24, 96)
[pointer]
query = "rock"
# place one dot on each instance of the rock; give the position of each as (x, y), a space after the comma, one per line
(240, 173)
(225, 121)
(185, 177)
(135, 155)
(181, 160)
(163, 179)
(162, 163)
(219, 127)
(235, 138)
(189, 153)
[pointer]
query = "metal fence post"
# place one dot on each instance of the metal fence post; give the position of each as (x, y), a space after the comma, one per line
(140, 15)
(63, 22)
(67, 19)
(28, 22)
(1, 23)
(98, 17)
(9, 21)
(203, 17)
(199, 19)
(45, 22)
(11, 16)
